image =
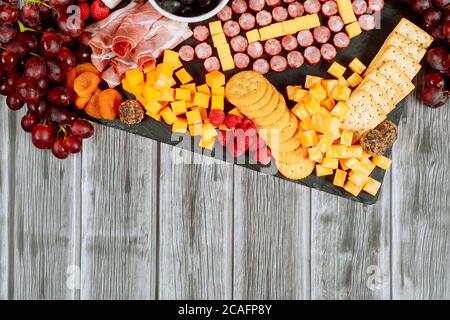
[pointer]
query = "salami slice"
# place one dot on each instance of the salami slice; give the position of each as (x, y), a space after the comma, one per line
(239, 43)
(239, 6)
(278, 63)
(376, 5)
(261, 66)
(295, 59)
(312, 6)
(241, 60)
(201, 33)
(367, 22)
(272, 47)
(289, 43)
(328, 51)
(225, 14)
(203, 51)
(288, 1)
(279, 14)
(273, 3)
(255, 50)
(312, 55)
(305, 38)
(341, 40)
(296, 9)
(335, 23)
(231, 28)
(247, 21)
(359, 7)
(256, 5)
(211, 64)
(329, 8)
(322, 34)
(186, 53)
(263, 18)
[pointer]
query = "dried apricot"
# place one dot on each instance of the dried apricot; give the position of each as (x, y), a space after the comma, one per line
(109, 101)
(70, 78)
(86, 67)
(86, 83)
(92, 108)
(81, 102)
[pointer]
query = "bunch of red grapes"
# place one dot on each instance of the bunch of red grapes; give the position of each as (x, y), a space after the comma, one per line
(38, 47)
(436, 20)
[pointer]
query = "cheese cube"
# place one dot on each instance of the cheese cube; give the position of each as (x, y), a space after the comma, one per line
(326, 124)
(337, 151)
(341, 110)
(350, 163)
(218, 91)
(305, 124)
(344, 5)
(164, 81)
(215, 27)
(382, 162)
(352, 189)
(168, 115)
(277, 29)
(311, 104)
(179, 107)
(182, 94)
(180, 125)
(219, 39)
(167, 94)
(357, 66)
(339, 178)
(324, 143)
(353, 29)
(311, 81)
(164, 68)
(201, 100)
(193, 116)
(329, 84)
(331, 163)
(322, 171)
(151, 93)
(372, 186)
(346, 138)
(134, 77)
(157, 117)
(358, 178)
(336, 70)
(328, 104)
(204, 89)
(318, 92)
(290, 27)
(312, 21)
(341, 93)
(265, 33)
(207, 144)
(217, 102)
(290, 91)
(203, 113)
(191, 86)
(172, 58)
(301, 23)
(308, 138)
(252, 35)
(348, 16)
(208, 131)
(366, 166)
(343, 82)
(150, 78)
(354, 80)
(315, 154)
(355, 151)
(300, 94)
(153, 107)
(195, 129)
(223, 51)
(236, 112)
(183, 76)
(227, 63)
(301, 112)
(215, 79)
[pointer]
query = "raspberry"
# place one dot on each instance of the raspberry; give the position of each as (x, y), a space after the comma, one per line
(232, 121)
(247, 124)
(257, 144)
(263, 156)
(216, 117)
(98, 10)
(85, 11)
(243, 138)
(235, 150)
(225, 137)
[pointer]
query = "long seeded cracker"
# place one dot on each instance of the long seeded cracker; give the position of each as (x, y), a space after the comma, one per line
(408, 65)
(393, 93)
(409, 30)
(396, 76)
(374, 90)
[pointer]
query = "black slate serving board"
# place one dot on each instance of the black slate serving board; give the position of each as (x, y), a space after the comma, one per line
(365, 47)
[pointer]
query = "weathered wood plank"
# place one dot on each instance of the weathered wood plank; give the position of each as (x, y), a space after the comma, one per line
(196, 220)
(119, 208)
(271, 237)
(44, 215)
(421, 204)
(350, 246)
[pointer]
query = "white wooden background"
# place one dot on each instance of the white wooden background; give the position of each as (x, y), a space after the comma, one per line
(128, 223)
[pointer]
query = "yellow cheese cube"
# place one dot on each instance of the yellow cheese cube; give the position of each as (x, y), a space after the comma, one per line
(341, 93)
(355, 151)
(201, 100)
(207, 144)
(358, 178)
(195, 129)
(353, 29)
(219, 39)
(168, 115)
(157, 117)
(336, 70)
(372, 186)
(180, 125)
(348, 16)
(236, 112)
(182, 94)
(357, 66)
(354, 80)
(265, 33)
(341, 110)
(290, 91)
(150, 78)
(329, 85)
(352, 189)
(308, 138)
(164, 69)
(305, 124)
(326, 124)
(172, 58)
(301, 23)
(151, 93)
(215, 79)
(366, 166)
(179, 107)
(324, 143)
(322, 171)
(382, 162)
(344, 5)
(191, 86)
(217, 102)
(223, 51)
(331, 163)
(315, 154)
(183, 76)
(318, 92)
(350, 163)
(337, 151)
(252, 35)
(208, 131)
(277, 29)
(215, 27)
(227, 63)
(328, 104)
(167, 94)
(193, 116)
(134, 77)
(204, 89)
(311, 81)
(290, 27)
(301, 112)
(311, 104)
(300, 94)
(164, 81)
(343, 82)
(311, 21)
(153, 107)
(203, 113)
(346, 138)
(218, 91)
(339, 178)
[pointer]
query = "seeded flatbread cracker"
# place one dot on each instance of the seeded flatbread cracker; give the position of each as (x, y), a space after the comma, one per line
(274, 116)
(408, 65)
(245, 88)
(393, 93)
(296, 171)
(380, 97)
(265, 110)
(396, 76)
(409, 30)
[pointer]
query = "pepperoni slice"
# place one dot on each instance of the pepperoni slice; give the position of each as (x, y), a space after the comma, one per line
(239, 43)
(273, 3)
(312, 6)
(261, 66)
(247, 21)
(296, 9)
(239, 6)
(288, 1)
(329, 8)
(231, 28)
(211, 64)
(225, 14)
(376, 5)
(201, 33)
(322, 34)
(186, 53)
(278, 63)
(295, 59)
(256, 5)
(255, 50)
(272, 47)
(263, 18)
(279, 14)
(359, 7)
(305, 38)
(335, 23)
(367, 22)
(341, 40)
(289, 43)
(328, 51)
(312, 55)
(241, 60)
(203, 51)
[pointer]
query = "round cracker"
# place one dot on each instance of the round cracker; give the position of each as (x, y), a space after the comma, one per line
(274, 116)
(245, 88)
(282, 134)
(266, 109)
(280, 123)
(261, 103)
(296, 171)
(290, 157)
(291, 144)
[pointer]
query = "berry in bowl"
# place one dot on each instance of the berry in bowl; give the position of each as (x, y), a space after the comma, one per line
(188, 10)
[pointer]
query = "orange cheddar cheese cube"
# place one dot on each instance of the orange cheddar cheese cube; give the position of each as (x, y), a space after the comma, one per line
(164, 81)
(352, 189)
(301, 112)
(348, 16)
(341, 93)
(366, 166)
(193, 116)
(358, 178)
(168, 115)
(341, 110)
(151, 93)
(207, 144)
(178, 107)
(219, 39)
(337, 151)
(331, 163)
(305, 124)
(252, 35)
(227, 63)
(353, 29)
(372, 186)
(172, 58)
(215, 27)
(315, 154)
(343, 163)
(318, 92)
(154, 107)
(308, 138)
(203, 113)
(382, 162)
(290, 91)
(208, 131)
(329, 84)
(354, 80)
(339, 178)
(215, 79)
(336, 70)
(217, 102)
(180, 125)
(182, 94)
(183, 76)
(195, 129)
(324, 143)
(328, 104)
(326, 123)
(150, 78)
(157, 117)
(355, 151)
(191, 86)
(218, 91)
(201, 100)
(311, 81)
(311, 104)
(350, 163)
(346, 138)
(167, 94)
(164, 69)
(134, 77)
(204, 89)
(357, 66)
(300, 94)
(343, 82)
(322, 171)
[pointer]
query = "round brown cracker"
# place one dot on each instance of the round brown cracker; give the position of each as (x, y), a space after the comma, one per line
(261, 103)
(295, 156)
(296, 171)
(283, 134)
(291, 144)
(265, 110)
(245, 88)
(274, 116)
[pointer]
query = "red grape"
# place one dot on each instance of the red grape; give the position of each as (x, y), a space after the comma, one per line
(14, 102)
(70, 25)
(446, 16)
(54, 71)
(58, 149)
(8, 13)
(17, 48)
(27, 90)
(42, 136)
(57, 115)
(30, 15)
(39, 109)
(435, 79)
(66, 40)
(29, 39)
(28, 122)
(72, 144)
(59, 96)
(4, 88)
(420, 6)
(82, 54)
(11, 78)
(42, 85)
(45, 10)
(7, 32)
(447, 30)
(7, 60)
(61, 5)
(437, 32)
(436, 58)
(433, 97)
(84, 38)
(441, 3)
(81, 129)
(50, 44)
(35, 68)
(66, 59)
(432, 17)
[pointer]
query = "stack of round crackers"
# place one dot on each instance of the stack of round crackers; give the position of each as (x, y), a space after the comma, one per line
(257, 99)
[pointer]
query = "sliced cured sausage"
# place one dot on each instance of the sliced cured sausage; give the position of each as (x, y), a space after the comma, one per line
(263, 18)
(239, 43)
(278, 63)
(231, 28)
(312, 6)
(186, 53)
(239, 6)
(247, 21)
(272, 47)
(322, 34)
(359, 7)
(305, 38)
(273, 3)
(203, 51)
(328, 51)
(201, 33)
(335, 23)
(289, 43)
(376, 5)
(312, 55)
(295, 9)
(255, 50)
(288, 1)
(225, 14)
(341, 40)
(241, 60)
(261, 66)
(367, 22)
(295, 59)
(256, 5)
(329, 8)
(279, 14)
(211, 64)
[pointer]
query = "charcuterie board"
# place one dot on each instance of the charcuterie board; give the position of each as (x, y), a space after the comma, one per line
(364, 47)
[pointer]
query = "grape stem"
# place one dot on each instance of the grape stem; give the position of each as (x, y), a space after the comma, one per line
(63, 129)
(40, 2)
(22, 27)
